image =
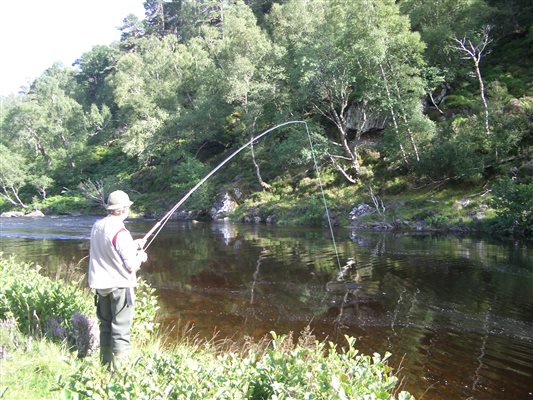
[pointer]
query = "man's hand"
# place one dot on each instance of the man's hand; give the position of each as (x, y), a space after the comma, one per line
(143, 256)
(140, 243)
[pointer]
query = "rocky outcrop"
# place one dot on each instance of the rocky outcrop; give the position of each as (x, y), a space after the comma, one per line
(184, 215)
(434, 100)
(12, 214)
(225, 204)
(35, 213)
(359, 210)
(363, 119)
(18, 214)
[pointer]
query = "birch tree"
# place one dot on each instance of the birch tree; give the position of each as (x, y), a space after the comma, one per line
(13, 176)
(475, 50)
(343, 53)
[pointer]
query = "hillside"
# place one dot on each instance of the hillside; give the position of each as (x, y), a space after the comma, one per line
(422, 112)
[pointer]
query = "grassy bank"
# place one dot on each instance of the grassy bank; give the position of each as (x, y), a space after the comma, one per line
(60, 360)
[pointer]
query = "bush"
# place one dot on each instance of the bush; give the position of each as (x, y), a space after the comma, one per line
(66, 205)
(309, 369)
(38, 304)
(146, 306)
(514, 207)
(60, 310)
(437, 221)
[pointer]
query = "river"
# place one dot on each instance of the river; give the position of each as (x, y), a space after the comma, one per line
(455, 312)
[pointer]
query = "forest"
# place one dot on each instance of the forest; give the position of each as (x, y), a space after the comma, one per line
(421, 109)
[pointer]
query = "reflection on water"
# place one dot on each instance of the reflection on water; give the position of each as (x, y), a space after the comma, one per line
(457, 313)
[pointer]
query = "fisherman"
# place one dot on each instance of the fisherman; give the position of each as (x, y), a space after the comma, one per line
(114, 260)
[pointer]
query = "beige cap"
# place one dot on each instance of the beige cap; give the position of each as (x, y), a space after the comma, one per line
(117, 200)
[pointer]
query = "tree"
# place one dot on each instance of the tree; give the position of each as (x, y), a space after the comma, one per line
(94, 67)
(145, 86)
(13, 176)
(159, 15)
(132, 30)
(513, 202)
(244, 74)
(439, 21)
(41, 183)
(48, 126)
(475, 52)
(315, 62)
(348, 54)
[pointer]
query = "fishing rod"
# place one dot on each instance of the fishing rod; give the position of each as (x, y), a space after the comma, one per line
(161, 223)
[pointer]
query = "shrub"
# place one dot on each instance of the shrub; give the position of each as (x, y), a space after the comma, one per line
(309, 369)
(60, 310)
(65, 204)
(146, 306)
(437, 221)
(38, 304)
(514, 207)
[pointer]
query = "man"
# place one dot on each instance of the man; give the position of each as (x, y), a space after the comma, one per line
(114, 259)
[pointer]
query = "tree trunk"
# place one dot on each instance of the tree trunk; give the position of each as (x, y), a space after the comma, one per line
(263, 184)
(15, 193)
(6, 196)
(483, 97)
(393, 114)
(404, 117)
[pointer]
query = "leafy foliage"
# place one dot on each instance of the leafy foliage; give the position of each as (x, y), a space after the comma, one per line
(513, 202)
(35, 300)
(54, 308)
(309, 369)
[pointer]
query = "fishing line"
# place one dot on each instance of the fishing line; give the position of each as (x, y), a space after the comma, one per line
(161, 223)
(323, 196)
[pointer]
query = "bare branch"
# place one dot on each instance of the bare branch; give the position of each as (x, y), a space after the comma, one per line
(93, 191)
(378, 202)
(341, 170)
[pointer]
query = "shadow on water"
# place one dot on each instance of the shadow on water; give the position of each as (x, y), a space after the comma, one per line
(456, 313)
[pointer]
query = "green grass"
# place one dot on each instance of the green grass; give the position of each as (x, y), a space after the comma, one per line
(32, 370)
(440, 206)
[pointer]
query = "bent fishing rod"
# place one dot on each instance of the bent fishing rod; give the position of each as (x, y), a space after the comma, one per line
(161, 223)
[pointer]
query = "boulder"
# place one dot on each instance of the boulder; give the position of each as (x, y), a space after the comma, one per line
(224, 205)
(184, 215)
(35, 213)
(12, 214)
(271, 219)
(359, 210)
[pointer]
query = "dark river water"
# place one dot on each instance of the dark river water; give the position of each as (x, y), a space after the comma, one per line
(455, 312)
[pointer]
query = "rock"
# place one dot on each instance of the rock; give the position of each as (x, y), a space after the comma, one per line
(271, 219)
(478, 216)
(462, 203)
(381, 226)
(360, 209)
(12, 214)
(237, 193)
(419, 225)
(184, 215)
(438, 97)
(224, 205)
(35, 213)
(363, 119)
